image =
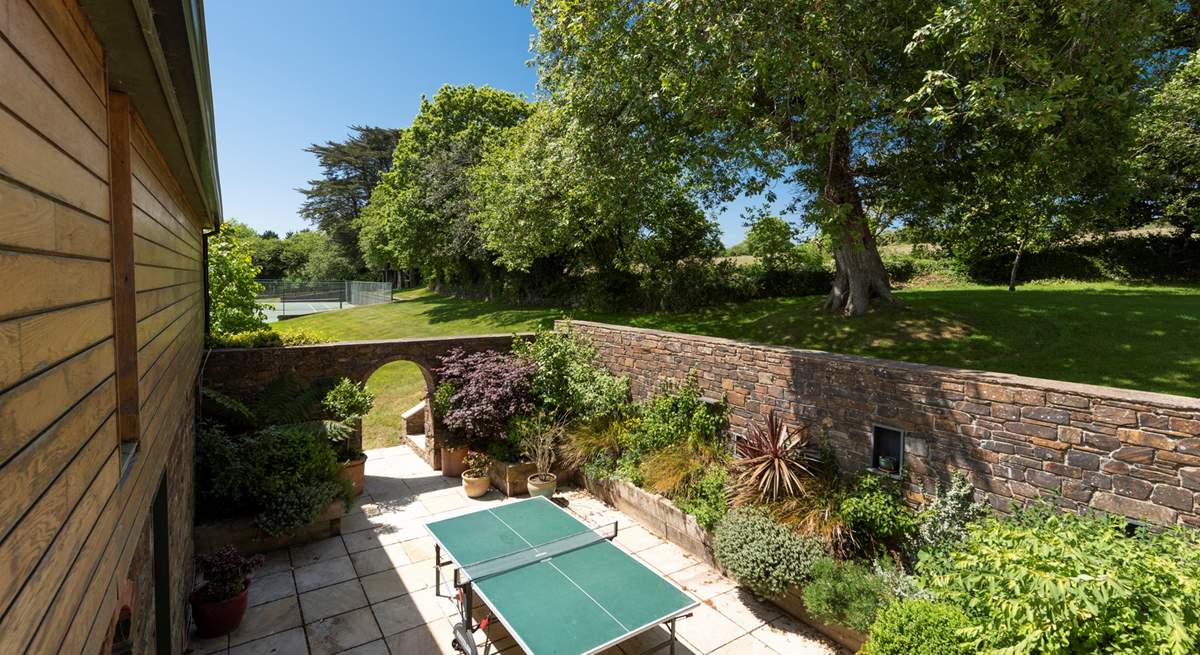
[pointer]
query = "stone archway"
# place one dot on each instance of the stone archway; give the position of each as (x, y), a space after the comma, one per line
(247, 371)
(403, 391)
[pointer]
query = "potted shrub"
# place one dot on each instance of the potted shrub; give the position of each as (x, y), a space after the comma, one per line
(509, 469)
(542, 449)
(477, 394)
(475, 479)
(348, 402)
(888, 464)
(218, 606)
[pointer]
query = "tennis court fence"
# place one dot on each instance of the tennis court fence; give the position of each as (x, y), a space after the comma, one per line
(305, 296)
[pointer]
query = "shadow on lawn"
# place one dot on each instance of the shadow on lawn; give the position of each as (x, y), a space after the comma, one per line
(446, 309)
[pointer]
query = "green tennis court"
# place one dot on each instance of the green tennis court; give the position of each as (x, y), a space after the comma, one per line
(558, 586)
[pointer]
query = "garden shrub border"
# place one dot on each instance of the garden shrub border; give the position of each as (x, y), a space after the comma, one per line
(665, 520)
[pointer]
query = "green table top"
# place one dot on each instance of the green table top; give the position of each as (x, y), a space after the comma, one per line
(575, 602)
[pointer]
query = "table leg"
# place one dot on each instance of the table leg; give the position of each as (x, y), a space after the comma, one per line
(437, 569)
(672, 651)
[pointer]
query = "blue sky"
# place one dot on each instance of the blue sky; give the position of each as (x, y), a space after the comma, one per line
(283, 79)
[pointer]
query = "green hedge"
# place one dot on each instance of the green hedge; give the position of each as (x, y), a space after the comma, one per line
(917, 627)
(1126, 258)
(264, 338)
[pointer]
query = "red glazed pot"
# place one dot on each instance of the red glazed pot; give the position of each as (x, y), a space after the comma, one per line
(214, 619)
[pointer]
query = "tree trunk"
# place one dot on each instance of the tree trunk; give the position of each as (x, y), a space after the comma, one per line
(1012, 275)
(859, 274)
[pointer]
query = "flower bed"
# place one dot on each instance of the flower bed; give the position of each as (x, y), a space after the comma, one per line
(655, 513)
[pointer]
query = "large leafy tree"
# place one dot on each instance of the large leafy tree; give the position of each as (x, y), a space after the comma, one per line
(419, 213)
(545, 202)
(773, 241)
(312, 255)
(231, 284)
(350, 170)
(267, 251)
(744, 92)
(1020, 136)
(1016, 111)
(1168, 150)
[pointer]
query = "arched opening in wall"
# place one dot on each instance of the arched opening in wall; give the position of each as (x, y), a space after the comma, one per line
(401, 389)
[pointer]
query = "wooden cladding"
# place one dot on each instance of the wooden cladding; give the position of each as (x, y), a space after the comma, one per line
(124, 306)
(101, 330)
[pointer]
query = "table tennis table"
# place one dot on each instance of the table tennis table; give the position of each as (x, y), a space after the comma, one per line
(558, 586)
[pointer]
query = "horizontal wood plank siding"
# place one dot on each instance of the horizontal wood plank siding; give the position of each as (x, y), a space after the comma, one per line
(70, 519)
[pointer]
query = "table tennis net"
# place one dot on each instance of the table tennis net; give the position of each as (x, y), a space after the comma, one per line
(539, 552)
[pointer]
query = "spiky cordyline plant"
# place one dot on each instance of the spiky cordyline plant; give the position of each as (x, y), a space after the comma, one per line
(772, 463)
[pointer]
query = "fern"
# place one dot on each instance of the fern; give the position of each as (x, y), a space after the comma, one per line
(226, 409)
(286, 400)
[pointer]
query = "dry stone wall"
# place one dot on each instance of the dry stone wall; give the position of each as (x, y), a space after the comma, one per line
(1018, 439)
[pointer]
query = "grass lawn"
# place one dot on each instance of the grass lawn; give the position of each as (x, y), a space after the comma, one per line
(1140, 337)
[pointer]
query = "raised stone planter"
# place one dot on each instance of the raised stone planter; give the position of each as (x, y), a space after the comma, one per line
(793, 604)
(660, 516)
(655, 513)
(511, 478)
(249, 539)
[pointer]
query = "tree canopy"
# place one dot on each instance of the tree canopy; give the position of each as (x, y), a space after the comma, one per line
(491, 192)
(231, 274)
(542, 196)
(1028, 117)
(773, 241)
(858, 103)
(1168, 150)
(350, 170)
(418, 215)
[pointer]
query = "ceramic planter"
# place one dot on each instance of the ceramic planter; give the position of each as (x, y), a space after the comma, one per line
(352, 472)
(452, 461)
(214, 619)
(542, 484)
(476, 482)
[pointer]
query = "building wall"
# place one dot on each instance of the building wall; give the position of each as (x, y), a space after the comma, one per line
(1018, 439)
(71, 519)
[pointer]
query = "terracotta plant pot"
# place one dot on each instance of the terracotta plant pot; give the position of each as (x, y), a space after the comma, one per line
(452, 461)
(476, 482)
(542, 484)
(352, 471)
(214, 619)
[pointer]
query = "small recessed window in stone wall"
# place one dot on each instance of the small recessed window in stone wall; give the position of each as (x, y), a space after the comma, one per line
(887, 449)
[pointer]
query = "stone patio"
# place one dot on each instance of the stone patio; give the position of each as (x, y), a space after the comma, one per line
(371, 590)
